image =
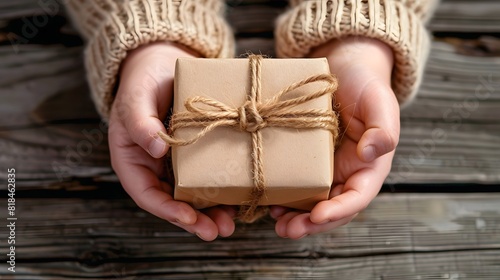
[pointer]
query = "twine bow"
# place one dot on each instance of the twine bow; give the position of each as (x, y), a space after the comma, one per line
(252, 117)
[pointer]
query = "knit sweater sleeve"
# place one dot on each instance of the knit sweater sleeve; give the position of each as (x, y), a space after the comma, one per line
(398, 23)
(114, 27)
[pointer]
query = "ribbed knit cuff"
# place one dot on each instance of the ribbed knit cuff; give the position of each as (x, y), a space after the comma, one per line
(315, 22)
(114, 27)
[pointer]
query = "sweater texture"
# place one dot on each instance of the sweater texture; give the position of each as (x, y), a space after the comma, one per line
(114, 27)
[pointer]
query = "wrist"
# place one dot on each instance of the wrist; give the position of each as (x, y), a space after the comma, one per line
(163, 52)
(356, 51)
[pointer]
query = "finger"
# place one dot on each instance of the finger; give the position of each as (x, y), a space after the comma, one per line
(145, 92)
(135, 170)
(214, 221)
(282, 223)
(144, 188)
(277, 211)
(376, 142)
(155, 196)
(358, 191)
(223, 218)
(204, 227)
(336, 190)
(162, 205)
(138, 111)
(381, 116)
(123, 149)
(301, 226)
(143, 100)
(133, 167)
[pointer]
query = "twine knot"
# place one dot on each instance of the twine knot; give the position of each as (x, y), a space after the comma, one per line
(249, 117)
(252, 117)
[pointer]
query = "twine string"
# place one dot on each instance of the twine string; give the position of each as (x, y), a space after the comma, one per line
(252, 117)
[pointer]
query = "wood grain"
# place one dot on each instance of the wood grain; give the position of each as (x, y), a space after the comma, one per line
(48, 115)
(422, 235)
(75, 221)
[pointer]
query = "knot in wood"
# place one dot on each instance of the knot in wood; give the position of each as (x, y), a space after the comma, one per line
(249, 117)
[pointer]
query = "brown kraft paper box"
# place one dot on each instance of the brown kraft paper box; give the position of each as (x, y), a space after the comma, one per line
(217, 169)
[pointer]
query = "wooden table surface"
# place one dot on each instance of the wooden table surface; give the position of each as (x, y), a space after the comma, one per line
(438, 216)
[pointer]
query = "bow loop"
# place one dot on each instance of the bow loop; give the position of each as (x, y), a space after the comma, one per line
(249, 117)
(278, 103)
(193, 105)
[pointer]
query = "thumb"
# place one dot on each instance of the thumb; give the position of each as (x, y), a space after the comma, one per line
(154, 145)
(146, 85)
(382, 126)
(140, 114)
(376, 142)
(144, 131)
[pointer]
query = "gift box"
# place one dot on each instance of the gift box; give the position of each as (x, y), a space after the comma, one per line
(243, 125)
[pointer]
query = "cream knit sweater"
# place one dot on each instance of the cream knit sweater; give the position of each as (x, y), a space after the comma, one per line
(113, 27)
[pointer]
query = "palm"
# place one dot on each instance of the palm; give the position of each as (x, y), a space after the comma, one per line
(369, 115)
(354, 97)
(125, 152)
(142, 101)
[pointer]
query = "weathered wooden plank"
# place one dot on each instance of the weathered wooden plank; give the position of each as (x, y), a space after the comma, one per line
(469, 153)
(466, 16)
(45, 85)
(28, 72)
(452, 126)
(393, 223)
(403, 236)
(399, 235)
(475, 264)
(27, 95)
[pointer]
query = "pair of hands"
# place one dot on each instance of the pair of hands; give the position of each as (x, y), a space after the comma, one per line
(369, 116)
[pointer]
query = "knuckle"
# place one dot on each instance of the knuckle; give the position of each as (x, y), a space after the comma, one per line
(114, 165)
(364, 202)
(136, 125)
(140, 203)
(148, 85)
(391, 140)
(120, 109)
(136, 131)
(349, 219)
(345, 222)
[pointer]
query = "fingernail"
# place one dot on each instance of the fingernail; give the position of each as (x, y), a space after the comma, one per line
(281, 233)
(199, 236)
(324, 222)
(156, 147)
(305, 235)
(181, 222)
(369, 153)
(283, 236)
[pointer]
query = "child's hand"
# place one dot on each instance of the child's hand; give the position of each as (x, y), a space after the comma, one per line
(142, 102)
(369, 115)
